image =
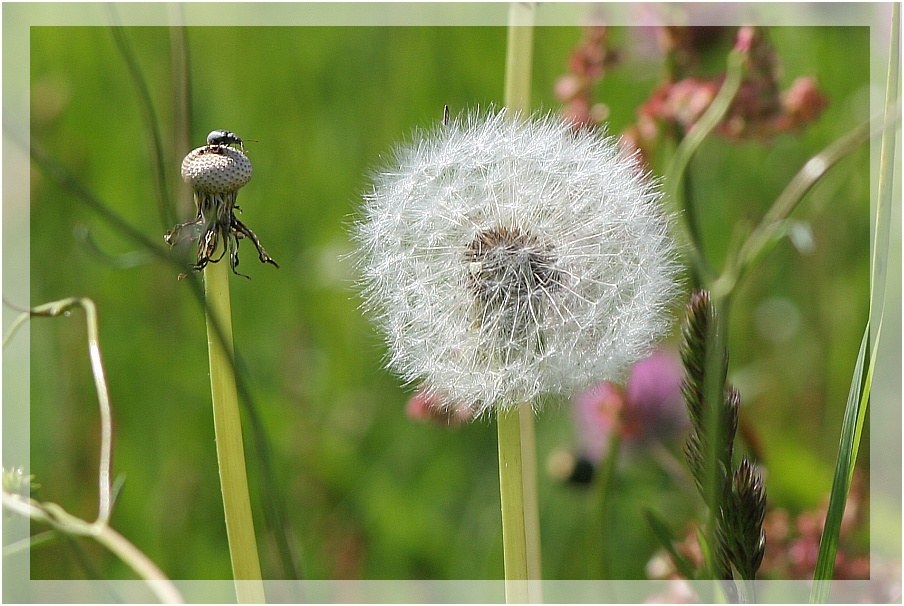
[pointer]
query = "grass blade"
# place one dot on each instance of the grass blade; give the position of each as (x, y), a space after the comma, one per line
(861, 382)
(858, 398)
(682, 564)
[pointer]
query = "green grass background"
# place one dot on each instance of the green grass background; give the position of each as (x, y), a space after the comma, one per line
(369, 493)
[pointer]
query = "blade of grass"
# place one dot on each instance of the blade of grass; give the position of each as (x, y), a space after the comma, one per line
(858, 396)
(662, 534)
(886, 168)
(164, 205)
(844, 469)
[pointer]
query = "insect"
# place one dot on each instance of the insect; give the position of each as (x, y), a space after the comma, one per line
(219, 137)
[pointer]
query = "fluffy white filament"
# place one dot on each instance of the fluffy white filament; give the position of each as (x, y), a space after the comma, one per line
(507, 258)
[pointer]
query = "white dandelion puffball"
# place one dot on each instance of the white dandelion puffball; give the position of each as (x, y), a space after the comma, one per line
(507, 258)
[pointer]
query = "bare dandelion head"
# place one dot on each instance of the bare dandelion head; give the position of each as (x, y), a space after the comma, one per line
(216, 169)
(507, 258)
(215, 173)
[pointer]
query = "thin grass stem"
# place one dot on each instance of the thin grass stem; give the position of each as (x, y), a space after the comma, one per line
(600, 545)
(151, 123)
(767, 232)
(55, 515)
(59, 308)
(714, 397)
(678, 167)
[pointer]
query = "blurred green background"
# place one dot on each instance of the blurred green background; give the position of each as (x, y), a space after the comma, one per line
(370, 493)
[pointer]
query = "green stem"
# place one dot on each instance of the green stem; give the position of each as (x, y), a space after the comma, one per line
(678, 167)
(714, 403)
(531, 507)
(228, 431)
(519, 56)
(693, 227)
(861, 383)
(600, 545)
(511, 492)
(774, 222)
(521, 550)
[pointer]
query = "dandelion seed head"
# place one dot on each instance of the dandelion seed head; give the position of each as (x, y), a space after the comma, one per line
(506, 258)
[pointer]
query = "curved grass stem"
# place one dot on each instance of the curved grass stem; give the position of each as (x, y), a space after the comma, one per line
(59, 308)
(66, 523)
(55, 515)
(677, 172)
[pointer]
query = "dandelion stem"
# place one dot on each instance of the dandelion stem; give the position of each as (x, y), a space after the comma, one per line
(522, 527)
(519, 56)
(228, 431)
(531, 507)
(511, 492)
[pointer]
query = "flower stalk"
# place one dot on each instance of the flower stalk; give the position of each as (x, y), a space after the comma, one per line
(511, 493)
(216, 172)
(228, 432)
(516, 431)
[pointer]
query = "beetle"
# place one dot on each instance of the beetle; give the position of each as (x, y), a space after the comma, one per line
(219, 137)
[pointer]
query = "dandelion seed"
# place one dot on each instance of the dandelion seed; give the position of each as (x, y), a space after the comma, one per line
(505, 259)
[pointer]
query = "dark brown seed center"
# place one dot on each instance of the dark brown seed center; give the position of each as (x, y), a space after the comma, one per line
(510, 274)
